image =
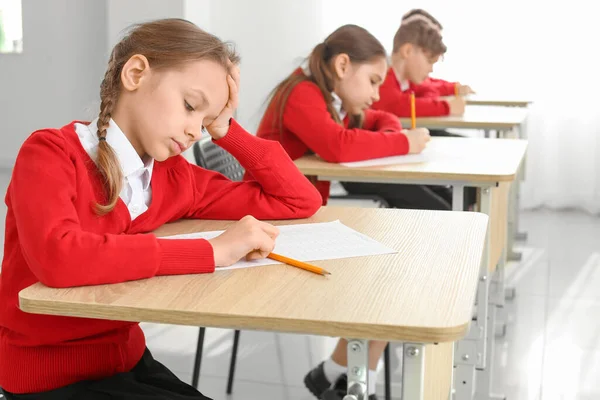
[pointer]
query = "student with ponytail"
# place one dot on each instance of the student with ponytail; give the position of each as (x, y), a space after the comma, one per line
(324, 109)
(83, 198)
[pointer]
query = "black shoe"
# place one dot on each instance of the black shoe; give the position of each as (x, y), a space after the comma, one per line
(316, 381)
(340, 389)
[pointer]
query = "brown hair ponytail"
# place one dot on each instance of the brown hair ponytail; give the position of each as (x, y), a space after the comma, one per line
(356, 42)
(108, 163)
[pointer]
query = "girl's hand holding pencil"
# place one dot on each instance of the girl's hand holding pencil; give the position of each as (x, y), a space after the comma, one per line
(417, 139)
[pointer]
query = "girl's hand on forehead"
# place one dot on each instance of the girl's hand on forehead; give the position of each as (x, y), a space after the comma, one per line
(220, 126)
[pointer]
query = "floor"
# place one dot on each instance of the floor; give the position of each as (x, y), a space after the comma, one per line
(551, 350)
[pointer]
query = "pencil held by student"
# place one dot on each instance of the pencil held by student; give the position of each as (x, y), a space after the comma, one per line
(298, 264)
(413, 111)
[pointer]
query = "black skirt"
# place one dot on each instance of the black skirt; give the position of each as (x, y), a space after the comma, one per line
(148, 380)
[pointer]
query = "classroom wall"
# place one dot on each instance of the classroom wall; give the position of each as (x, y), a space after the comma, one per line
(42, 88)
(122, 14)
(56, 78)
(272, 37)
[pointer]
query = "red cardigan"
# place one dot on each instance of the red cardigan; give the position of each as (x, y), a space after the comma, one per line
(54, 236)
(309, 128)
(442, 87)
(427, 104)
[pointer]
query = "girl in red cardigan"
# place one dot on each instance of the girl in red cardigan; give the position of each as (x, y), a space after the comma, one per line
(324, 109)
(83, 197)
(418, 45)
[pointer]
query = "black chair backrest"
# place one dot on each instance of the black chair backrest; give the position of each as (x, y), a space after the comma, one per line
(212, 157)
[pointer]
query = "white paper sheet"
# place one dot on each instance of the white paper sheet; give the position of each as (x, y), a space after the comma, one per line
(394, 160)
(310, 242)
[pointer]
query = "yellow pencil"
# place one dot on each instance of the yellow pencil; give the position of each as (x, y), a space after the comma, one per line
(298, 264)
(413, 111)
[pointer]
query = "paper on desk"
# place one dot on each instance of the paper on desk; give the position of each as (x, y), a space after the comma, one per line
(394, 160)
(310, 242)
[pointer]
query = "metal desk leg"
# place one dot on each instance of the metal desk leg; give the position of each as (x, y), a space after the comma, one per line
(485, 375)
(512, 222)
(358, 369)
(498, 295)
(522, 134)
(413, 371)
(470, 352)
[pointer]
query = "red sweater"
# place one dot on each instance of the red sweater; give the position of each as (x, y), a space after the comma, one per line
(309, 128)
(427, 104)
(442, 87)
(54, 236)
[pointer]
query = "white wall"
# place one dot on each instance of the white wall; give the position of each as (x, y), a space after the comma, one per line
(272, 37)
(198, 12)
(67, 43)
(56, 79)
(123, 13)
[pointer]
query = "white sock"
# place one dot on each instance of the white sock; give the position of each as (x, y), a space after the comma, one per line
(333, 370)
(372, 382)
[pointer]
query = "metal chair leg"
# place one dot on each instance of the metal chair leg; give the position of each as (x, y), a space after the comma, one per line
(198, 360)
(388, 373)
(234, 350)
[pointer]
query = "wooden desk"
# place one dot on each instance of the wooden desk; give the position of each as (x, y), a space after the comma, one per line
(502, 101)
(422, 294)
(446, 159)
(487, 118)
(483, 163)
(488, 164)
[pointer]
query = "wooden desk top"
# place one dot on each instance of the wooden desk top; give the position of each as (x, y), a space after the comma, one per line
(475, 117)
(447, 159)
(425, 292)
(502, 101)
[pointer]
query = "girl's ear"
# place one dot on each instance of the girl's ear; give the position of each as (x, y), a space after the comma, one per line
(134, 72)
(341, 65)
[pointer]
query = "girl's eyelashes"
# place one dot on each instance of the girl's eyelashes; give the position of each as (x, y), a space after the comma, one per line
(187, 106)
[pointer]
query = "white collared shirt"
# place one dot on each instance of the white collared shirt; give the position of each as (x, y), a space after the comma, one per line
(337, 105)
(136, 192)
(404, 84)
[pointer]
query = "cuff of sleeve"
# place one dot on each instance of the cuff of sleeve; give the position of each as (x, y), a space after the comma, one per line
(185, 256)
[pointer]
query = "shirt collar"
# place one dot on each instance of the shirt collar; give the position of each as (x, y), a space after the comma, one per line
(404, 84)
(337, 105)
(131, 163)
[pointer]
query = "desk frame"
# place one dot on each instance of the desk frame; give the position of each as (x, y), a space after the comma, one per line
(473, 355)
(501, 130)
